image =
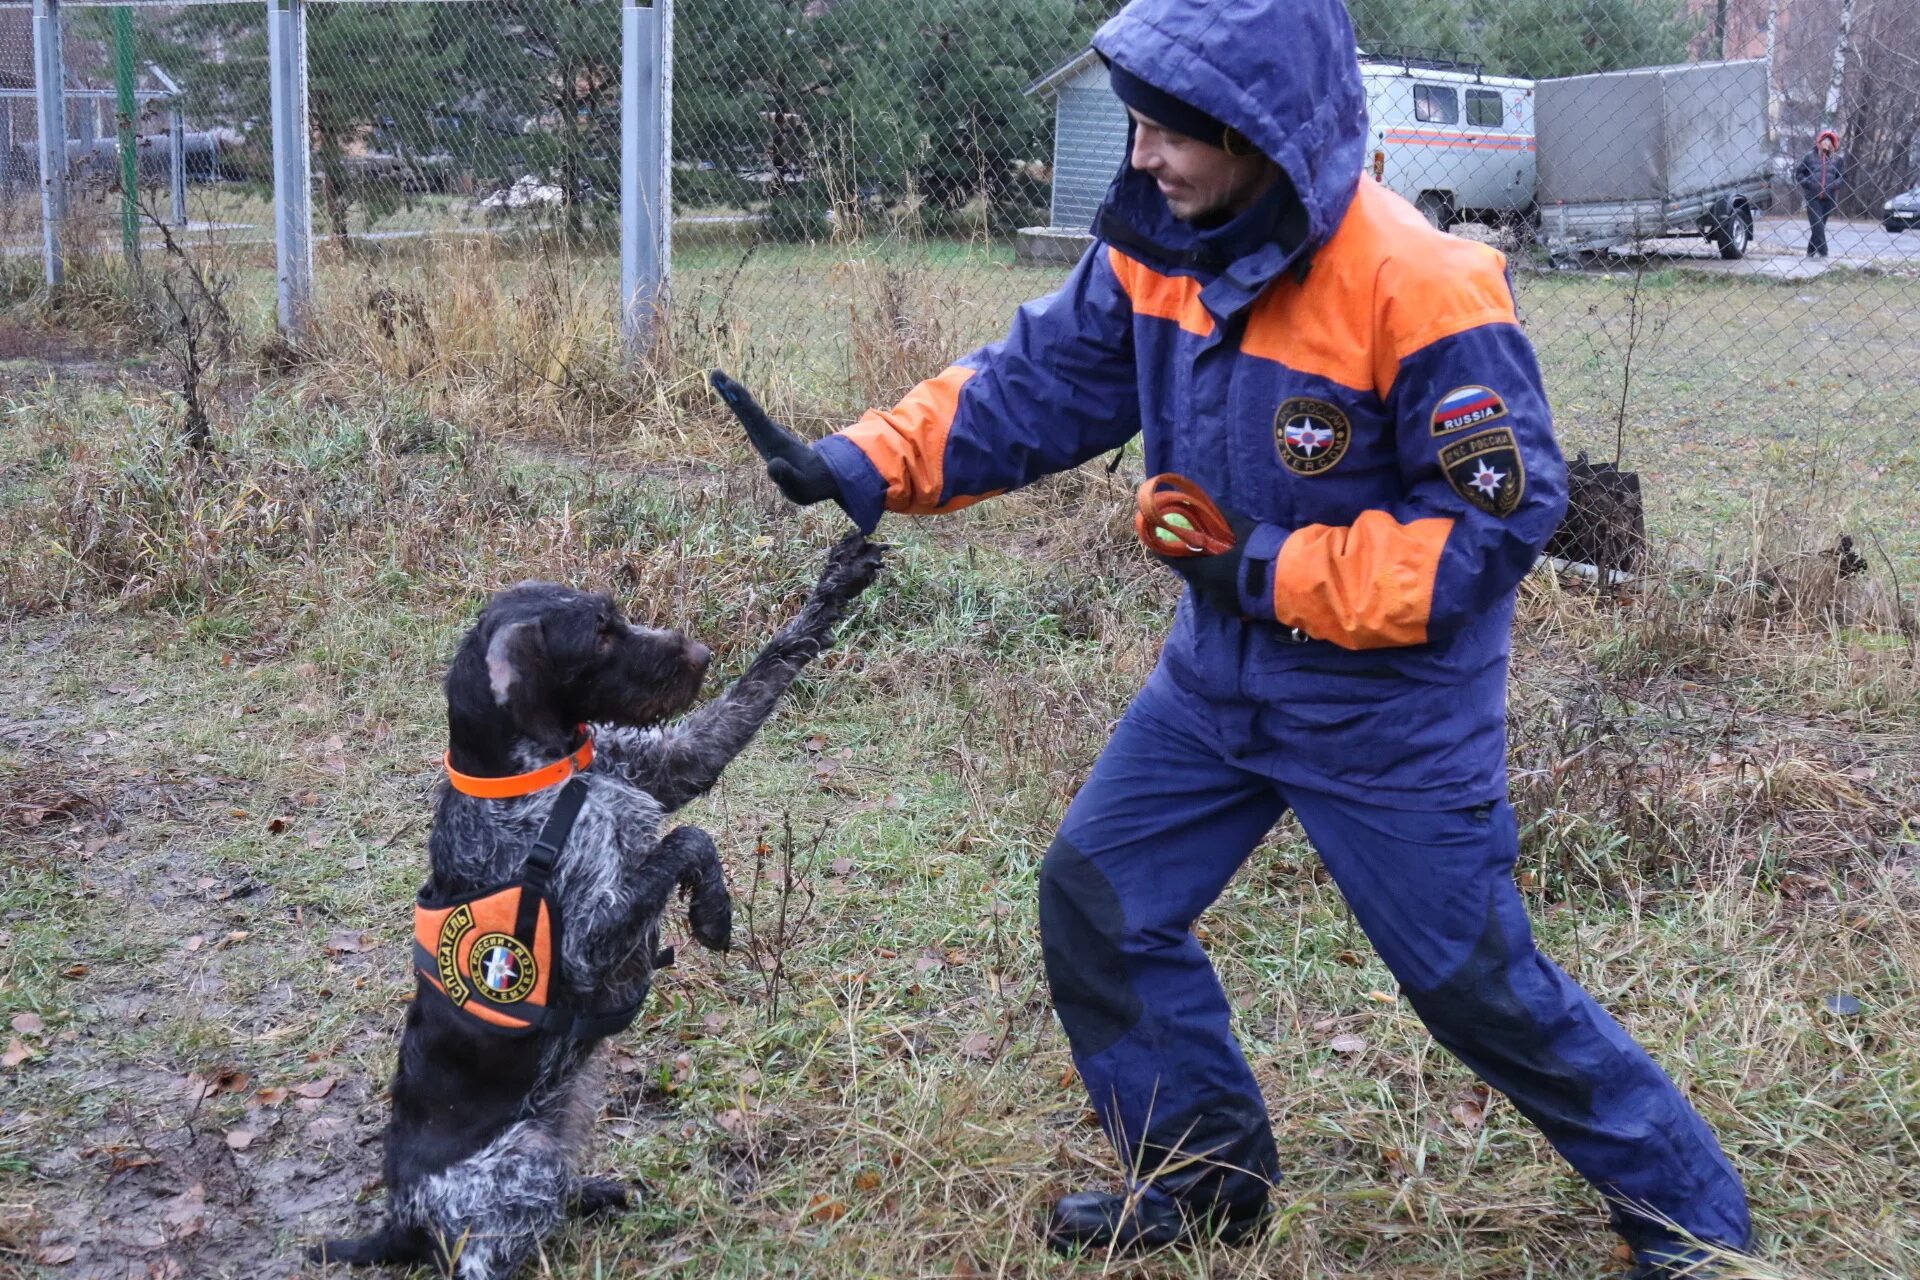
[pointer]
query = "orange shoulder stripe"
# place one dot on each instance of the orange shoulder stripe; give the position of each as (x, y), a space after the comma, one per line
(1383, 287)
(1175, 298)
(907, 444)
(1367, 586)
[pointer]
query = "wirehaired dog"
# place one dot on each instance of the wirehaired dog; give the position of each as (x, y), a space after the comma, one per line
(536, 933)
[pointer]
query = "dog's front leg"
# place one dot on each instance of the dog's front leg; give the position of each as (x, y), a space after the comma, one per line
(683, 761)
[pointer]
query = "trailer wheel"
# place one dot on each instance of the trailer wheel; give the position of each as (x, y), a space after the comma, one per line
(1437, 209)
(1734, 232)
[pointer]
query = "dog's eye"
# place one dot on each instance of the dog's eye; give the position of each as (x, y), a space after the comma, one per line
(607, 636)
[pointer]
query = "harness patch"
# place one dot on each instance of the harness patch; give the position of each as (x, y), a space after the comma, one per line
(504, 968)
(1311, 435)
(446, 954)
(1467, 407)
(1486, 470)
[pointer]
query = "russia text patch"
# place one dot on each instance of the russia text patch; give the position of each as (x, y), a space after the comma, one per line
(1467, 407)
(1486, 470)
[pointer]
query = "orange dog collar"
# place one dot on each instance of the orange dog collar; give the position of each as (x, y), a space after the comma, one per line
(523, 784)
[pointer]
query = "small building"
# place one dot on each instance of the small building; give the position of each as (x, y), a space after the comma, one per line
(1089, 146)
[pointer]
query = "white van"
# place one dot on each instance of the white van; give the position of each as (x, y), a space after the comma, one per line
(1455, 141)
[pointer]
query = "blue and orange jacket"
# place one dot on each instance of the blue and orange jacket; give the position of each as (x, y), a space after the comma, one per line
(1326, 363)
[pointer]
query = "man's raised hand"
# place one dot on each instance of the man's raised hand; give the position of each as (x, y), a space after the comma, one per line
(791, 462)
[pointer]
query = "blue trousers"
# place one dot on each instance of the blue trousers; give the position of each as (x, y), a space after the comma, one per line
(1166, 819)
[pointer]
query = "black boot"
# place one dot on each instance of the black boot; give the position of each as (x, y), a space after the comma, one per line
(1097, 1221)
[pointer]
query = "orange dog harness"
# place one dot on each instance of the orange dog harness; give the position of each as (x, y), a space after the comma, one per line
(495, 954)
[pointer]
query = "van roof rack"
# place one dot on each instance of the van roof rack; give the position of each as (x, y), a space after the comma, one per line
(1411, 56)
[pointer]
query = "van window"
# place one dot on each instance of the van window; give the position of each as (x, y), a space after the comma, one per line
(1486, 108)
(1435, 104)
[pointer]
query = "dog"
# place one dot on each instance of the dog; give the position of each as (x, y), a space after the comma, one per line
(561, 773)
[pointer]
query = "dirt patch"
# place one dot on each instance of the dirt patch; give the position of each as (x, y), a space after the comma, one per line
(28, 355)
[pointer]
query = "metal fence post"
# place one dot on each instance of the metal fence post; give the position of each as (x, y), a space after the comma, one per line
(177, 138)
(292, 172)
(127, 133)
(646, 39)
(49, 65)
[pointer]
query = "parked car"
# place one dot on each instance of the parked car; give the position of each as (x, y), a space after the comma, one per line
(1456, 142)
(1903, 211)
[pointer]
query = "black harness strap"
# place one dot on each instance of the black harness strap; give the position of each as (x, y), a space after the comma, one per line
(537, 876)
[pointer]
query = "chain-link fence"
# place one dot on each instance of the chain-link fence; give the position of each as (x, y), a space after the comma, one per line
(862, 190)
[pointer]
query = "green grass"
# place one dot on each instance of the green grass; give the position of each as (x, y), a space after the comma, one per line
(222, 718)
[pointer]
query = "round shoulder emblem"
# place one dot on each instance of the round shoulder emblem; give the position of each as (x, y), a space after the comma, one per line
(1311, 435)
(503, 968)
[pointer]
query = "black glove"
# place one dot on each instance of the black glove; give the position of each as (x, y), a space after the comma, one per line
(791, 462)
(1216, 579)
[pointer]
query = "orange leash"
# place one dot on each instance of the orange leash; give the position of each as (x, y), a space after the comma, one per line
(1175, 517)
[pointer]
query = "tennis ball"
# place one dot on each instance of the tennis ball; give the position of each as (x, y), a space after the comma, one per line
(1177, 520)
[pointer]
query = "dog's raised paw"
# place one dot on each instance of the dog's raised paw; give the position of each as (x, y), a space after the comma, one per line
(851, 567)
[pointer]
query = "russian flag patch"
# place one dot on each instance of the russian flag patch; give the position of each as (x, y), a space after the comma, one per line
(1467, 407)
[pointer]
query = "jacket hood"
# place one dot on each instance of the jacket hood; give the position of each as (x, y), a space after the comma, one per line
(1285, 73)
(1824, 135)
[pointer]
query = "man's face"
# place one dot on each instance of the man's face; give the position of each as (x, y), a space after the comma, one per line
(1827, 145)
(1197, 180)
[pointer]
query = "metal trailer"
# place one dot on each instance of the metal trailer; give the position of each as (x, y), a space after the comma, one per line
(1626, 156)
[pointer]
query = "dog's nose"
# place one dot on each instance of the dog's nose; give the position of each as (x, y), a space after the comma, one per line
(697, 655)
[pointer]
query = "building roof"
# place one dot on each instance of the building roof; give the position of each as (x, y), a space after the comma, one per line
(1051, 83)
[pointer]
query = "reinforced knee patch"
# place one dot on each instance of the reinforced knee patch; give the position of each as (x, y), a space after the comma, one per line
(1081, 925)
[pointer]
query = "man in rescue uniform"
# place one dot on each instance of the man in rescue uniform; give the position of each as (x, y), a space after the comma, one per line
(1355, 390)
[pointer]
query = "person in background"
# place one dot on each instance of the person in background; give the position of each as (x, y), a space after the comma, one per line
(1353, 388)
(1822, 175)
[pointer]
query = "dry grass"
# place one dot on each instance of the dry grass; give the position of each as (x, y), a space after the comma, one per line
(231, 657)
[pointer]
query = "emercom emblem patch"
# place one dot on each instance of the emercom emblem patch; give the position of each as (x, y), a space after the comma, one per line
(1466, 407)
(1486, 470)
(503, 967)
(1311, 435)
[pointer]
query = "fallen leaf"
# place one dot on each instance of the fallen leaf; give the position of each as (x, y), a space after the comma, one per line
(1347, 1044)
(824, 1208)
(927, 964)
(17, 1053)
(327, 1127)
(842, 866)
(232, 939)
(196, 942)
(316, 1088)
(277, 825)
(239, 1139)
(271, 1097)
(866, 1180)
(816, 744)
(1380, 997)
(28, 1024)
(56, 1255)
(1351, 959)
(732, 1119)
(187, 1212)
(347, 942)
(74, 971)
(978, 1045)
(1469, 1114)
(228, 1080)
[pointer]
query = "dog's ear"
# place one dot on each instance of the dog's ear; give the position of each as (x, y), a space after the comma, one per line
(518, 674)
